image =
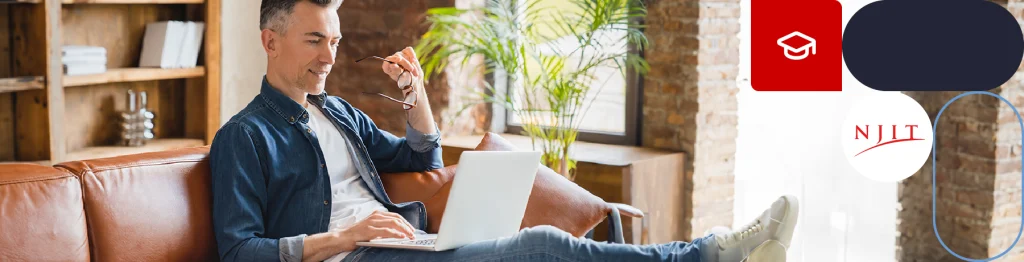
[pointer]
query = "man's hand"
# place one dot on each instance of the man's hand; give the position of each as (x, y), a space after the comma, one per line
(420, 117)
(405, 60)
(320, 247)
(377, 225)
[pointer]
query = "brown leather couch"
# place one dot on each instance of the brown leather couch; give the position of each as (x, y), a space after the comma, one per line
(156, 206)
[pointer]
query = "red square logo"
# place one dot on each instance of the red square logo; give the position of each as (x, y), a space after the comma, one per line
(796, 45)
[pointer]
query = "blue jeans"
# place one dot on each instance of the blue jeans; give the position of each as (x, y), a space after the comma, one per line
(544, 243)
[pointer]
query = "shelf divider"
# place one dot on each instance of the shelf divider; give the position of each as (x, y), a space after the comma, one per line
(15, 84)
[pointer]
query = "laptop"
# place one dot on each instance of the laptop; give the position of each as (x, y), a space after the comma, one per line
(487, 201)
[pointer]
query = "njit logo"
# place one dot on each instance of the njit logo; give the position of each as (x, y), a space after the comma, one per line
(887, 136)
(865, 133)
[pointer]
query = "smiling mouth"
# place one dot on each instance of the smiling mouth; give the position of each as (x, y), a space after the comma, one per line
(318, 73)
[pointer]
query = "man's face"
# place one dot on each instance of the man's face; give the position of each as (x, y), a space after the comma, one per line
(306, 52)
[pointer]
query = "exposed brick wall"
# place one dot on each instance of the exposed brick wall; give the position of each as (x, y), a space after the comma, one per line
(381, 27)
(965, 164)
(690, 100)
(977, 180)
(1006, 211)
(1006, 193)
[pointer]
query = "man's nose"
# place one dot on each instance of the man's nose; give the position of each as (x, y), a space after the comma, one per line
(327, 54)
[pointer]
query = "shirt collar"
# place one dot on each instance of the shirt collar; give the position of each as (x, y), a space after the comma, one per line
(286, 107)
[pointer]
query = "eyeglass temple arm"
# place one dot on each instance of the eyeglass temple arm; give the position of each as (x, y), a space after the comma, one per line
(390, 98)
(381, 59)
(374, 57)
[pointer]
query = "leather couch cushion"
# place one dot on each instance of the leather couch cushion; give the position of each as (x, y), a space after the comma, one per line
(426, 187)
(149, 207)
(554, 201)
(41, 215)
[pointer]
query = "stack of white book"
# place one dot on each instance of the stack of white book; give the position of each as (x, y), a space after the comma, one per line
(172, 44)
(83, 60)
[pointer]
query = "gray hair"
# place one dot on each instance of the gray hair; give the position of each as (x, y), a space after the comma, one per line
(274, 13)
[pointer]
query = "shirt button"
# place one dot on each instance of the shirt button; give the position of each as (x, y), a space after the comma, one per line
(326, 203)
(309, 130)
(323, 165)
(292, 119)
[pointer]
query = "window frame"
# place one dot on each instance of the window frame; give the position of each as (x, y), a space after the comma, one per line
(634, 114)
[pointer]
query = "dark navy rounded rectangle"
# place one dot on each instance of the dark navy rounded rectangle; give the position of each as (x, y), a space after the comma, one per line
(933, 45)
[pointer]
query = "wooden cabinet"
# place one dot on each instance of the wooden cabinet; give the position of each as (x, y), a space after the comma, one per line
(48, 117)
(650, 180)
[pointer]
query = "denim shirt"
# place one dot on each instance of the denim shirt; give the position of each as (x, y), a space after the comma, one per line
(269, 178)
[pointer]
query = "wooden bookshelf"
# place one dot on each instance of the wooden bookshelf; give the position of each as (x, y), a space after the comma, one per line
(118, 75)
(47, 117)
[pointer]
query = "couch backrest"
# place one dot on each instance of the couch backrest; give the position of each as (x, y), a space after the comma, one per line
(148, 207)
(41, 215)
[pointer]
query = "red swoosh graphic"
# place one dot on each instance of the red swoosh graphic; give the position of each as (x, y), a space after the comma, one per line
(890, 142)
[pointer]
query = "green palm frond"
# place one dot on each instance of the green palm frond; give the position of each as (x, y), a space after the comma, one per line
(550, 84)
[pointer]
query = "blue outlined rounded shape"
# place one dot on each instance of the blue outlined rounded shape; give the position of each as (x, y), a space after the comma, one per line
(935, 226)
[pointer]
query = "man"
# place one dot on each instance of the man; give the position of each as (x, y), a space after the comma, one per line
(295, 173)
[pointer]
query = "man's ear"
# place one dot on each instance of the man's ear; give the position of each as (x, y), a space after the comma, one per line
(270, 41)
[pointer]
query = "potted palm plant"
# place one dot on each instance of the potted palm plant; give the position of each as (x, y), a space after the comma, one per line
(553, 53)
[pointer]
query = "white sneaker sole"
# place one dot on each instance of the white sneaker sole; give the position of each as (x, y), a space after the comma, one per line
(769, 251)
(789, 222)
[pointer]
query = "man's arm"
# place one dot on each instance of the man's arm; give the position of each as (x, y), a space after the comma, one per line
(389, 153)
(420, 150)
(421, 117)
(239, 197)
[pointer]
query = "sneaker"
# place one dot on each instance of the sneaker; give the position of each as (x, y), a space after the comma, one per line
(769, 251)
(717, 230)
(752, 240)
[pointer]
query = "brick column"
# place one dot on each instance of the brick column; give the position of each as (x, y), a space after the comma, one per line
(965, 164)
(1006, 195)
(977, 181)
(690, 100)
(380, 28)
(1006, 191)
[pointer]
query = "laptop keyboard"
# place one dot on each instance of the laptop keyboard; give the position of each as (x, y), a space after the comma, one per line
(416, 242)
(424, 242)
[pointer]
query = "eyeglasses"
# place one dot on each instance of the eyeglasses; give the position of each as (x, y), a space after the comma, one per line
(404, 83)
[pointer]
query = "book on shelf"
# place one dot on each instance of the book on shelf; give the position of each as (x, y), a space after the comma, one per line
(84, 69)
(80, 50)
(192, 43)
(83, 60)
(161, 44)
(87, 59)
(171, 44)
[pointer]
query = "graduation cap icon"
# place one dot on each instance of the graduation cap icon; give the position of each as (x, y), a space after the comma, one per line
(797, 43)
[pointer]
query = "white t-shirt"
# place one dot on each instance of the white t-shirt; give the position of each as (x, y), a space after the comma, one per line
(351, 198)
